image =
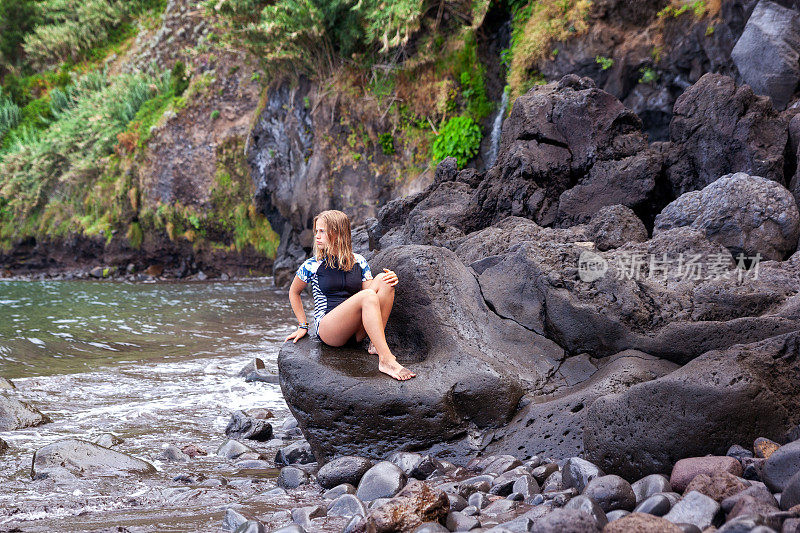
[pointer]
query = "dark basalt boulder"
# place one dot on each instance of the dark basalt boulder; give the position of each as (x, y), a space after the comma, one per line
(472, 366)
(730, 395)
(554, 427)
(719, 128)
(663, 311)
(768, 52)
(746, 214)
(568, 149)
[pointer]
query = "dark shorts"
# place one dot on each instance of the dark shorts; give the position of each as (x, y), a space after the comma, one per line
(351, 343)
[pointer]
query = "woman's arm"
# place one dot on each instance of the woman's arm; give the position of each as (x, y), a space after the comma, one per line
(297, 306)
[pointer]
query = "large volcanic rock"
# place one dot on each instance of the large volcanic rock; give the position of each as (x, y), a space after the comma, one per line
(675, 306)
(746, 214)
(768, 52)
(554, 427)
(472, 366)
(731, 395)
(568, 149)
(719, 128)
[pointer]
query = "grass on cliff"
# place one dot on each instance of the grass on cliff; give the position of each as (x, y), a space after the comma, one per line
(62, 163)
(536, 25)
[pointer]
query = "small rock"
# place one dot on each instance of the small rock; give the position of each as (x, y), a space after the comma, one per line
(232, 520)
(616, 515)
(611, 493)
(304, 515)
(173, 454)
(291, 477)
(457, 502)
(753, 468)
(86, 458)
(460, 522)
(641, 523)
(232, 449)
(6, 384)
(431, 527)
(107, 440)
(339, 490)
(758, 491)
(254, 526)
(346, 505)
(553, 482)
(503, 484)
(416, 504)
(192, 450)
(781, 466)
(656, 505)
(562, 520)
(291, 528)
(15, 414)
(763, 448)
(526, 486)
(748, 505)
(500, 464)
(686, 469)
(479, 500)
(383, 480)
(470, 510)
(649, 485)
(3, 446)
(717, 485)
(738, 452)
(242, 426)
(296, 453)
(694, 508)
(499, 507)
(588, 506)
(577, 473)
(791, 493)
(348, 469)
(540, 473)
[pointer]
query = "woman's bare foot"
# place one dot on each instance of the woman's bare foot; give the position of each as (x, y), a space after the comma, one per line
(395, 369)
(371, 349)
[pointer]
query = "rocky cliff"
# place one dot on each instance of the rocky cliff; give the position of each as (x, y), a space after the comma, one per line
(588, 312)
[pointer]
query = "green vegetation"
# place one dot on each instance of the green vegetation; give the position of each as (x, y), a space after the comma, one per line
(697, 7)
(460, 138)
(604, 62)
(648, 75)
(387, 143)
(535, 25)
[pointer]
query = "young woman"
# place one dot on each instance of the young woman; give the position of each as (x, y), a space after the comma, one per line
(349, 304)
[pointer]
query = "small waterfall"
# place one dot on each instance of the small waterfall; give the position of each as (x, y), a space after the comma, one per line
(497, 127)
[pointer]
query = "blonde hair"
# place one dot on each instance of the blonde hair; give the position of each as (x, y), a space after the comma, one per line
(339, 253)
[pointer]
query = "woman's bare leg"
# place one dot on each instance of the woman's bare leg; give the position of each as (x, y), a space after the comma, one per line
(386, 296)
(363, 309)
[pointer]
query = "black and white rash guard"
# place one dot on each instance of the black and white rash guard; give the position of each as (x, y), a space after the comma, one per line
(331, 286)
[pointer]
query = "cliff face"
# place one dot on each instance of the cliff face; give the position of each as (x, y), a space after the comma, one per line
(227, 173)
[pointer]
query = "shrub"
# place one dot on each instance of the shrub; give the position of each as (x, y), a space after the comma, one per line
(387, 143)
(460, 138)
(648, 75)
(17, 18)
(215, 114)
(604, 62)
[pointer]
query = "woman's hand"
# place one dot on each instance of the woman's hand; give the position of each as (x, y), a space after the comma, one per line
(297, 335)
(389, 277)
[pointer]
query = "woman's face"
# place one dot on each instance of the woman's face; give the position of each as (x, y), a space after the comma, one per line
(321, 235)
